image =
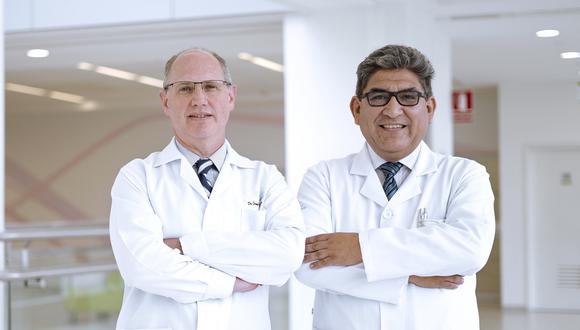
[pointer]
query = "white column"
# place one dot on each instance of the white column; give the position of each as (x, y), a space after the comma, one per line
(321, 52)
(440, 134)
(4, 305)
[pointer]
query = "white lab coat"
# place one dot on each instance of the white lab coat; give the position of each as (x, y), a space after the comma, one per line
(345, 195)
(251, 227)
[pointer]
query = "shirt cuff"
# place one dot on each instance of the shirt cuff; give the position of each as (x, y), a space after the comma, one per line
(220, 285)
(367, 257)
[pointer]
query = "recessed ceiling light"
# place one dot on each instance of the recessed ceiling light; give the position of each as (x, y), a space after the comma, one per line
(85, 66)
(115, 73)
(120, 74)
(570, 55)
(150, 81)
(67, 97)
(25, 89)
(547, 33)
(55, 95)
(265, 63)
(37, 53)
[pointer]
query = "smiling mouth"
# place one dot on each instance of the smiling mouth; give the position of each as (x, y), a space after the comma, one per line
(199, 116)
(392, 126)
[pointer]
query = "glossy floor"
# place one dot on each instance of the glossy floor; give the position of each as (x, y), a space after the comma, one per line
(51, 314)
(495, 318)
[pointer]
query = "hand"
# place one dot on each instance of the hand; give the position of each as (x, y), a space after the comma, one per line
(335, 249)
(437, 282)
(173, 243)
(243, 286)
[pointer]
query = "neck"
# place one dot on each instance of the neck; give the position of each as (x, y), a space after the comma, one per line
(204, 148)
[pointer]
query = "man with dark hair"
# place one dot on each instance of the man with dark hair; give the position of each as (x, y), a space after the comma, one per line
(198, 231)
(397, 231)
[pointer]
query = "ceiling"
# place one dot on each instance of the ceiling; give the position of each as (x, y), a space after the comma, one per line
(492, 42)
(141, 49)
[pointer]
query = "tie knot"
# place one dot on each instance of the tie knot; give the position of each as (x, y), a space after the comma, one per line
(390, 169)
(203, 165)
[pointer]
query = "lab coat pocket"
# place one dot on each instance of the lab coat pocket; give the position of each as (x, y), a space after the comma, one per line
(430, 222)
(252, 219)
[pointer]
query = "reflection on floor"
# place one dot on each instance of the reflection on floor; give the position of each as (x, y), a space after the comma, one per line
(49, 313)
(495, 318)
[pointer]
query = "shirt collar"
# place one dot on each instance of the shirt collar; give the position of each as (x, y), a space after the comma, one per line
(218, 158)
(409, 161)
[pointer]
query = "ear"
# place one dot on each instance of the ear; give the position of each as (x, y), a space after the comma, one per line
(164, 102)
(355, 109)
(431, 104)
(232, 92)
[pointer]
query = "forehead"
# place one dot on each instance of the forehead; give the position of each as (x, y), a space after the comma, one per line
(396, 79)
(196, 66)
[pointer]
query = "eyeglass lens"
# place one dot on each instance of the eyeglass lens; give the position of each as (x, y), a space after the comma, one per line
(381, 98)
(187, 88)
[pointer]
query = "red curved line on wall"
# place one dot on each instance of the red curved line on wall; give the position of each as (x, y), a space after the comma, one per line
(40, 191)
(49, 199)
(41, 186)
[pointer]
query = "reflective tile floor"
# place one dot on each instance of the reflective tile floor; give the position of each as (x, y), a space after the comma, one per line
(52, 315)
(495, 318)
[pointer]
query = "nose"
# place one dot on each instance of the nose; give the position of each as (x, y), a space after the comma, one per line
(392, 108)
(198, 96)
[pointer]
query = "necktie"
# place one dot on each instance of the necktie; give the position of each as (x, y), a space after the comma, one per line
(390, 185)
(203, 166)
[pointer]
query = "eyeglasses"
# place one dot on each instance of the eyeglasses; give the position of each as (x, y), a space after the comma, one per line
(380, 98)
(187, 88)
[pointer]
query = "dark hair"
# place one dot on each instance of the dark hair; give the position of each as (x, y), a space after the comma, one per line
(393, 57)
(225, 69)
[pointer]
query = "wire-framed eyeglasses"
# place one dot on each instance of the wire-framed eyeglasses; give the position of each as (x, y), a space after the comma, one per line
(187, 88)
(380, 98)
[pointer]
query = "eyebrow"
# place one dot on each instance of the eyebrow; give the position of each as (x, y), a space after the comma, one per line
(402, 90)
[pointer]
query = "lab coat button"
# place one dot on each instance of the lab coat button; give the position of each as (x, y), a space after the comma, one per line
(388, 213)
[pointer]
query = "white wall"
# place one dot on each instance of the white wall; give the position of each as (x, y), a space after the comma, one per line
(3, 286)
(529, 115)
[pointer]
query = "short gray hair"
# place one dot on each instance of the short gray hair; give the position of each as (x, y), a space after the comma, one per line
(392, 57)
(223, 64)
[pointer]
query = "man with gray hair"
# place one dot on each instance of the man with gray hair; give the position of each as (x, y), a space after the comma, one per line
(199, 232)
(396, 231)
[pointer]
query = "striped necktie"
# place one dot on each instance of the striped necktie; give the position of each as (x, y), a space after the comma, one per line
(390, 185)
(204, 165)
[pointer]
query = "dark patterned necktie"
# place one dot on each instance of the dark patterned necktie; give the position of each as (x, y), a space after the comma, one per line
(390, 185)
(203, 165)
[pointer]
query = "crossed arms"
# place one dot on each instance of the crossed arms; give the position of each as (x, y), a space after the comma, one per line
(343, 249)
(378, 263)
(213, 262)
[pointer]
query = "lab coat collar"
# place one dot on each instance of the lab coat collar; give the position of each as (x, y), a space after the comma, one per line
(411, 187)
(233, 160)
(426, 161)
(372, 189)
(171, 153)
(168, 154)
(362, 165)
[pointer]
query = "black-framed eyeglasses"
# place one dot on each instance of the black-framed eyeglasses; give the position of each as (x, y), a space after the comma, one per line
(380, 98)
(187, 88)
